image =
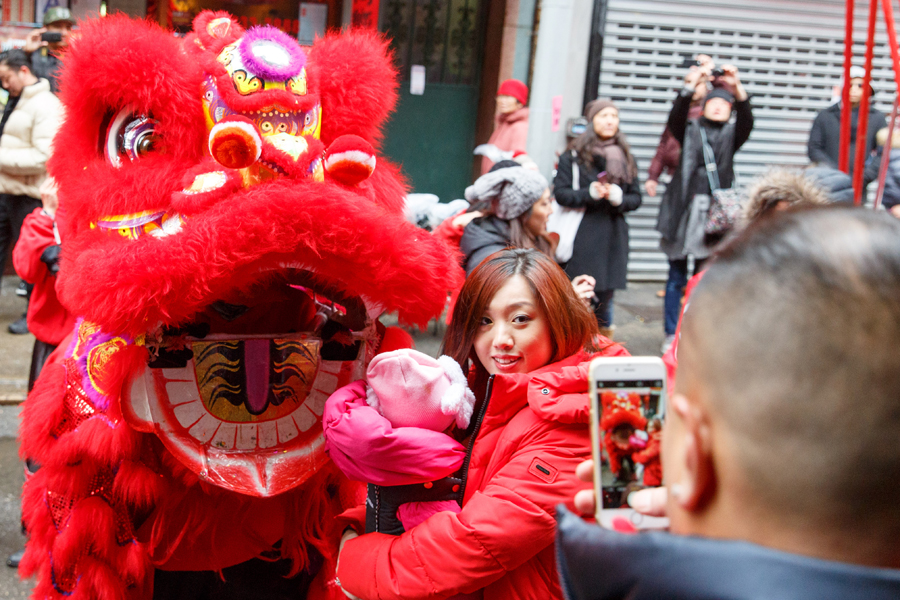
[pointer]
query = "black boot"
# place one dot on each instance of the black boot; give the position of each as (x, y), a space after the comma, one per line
(14, 559)
(19, 327)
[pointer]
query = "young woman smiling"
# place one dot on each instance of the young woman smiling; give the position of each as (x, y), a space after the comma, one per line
(526, 340)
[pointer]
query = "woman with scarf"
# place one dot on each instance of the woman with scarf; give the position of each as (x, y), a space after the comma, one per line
(601, 242)
(684, 208)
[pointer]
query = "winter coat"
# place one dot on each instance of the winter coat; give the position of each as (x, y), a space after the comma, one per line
(510, 134)
(892, 180)
(598, 564)
(365, 447)
(601, 242)
(668, 152)
(26, 142)
(530, 432)
(481, 238)
(825, 137)
(690, 177)
(46, 65)
(837, 184)
(47, 319)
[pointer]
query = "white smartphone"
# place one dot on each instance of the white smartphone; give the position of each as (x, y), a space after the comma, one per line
(628, 407)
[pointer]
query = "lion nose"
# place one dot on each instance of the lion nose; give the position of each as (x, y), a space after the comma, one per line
(235, 143)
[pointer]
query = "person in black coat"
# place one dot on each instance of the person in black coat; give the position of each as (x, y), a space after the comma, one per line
(600, 248)
(682, 214)
(825, 135)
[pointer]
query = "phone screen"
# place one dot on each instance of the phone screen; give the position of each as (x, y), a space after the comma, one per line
(631, 417)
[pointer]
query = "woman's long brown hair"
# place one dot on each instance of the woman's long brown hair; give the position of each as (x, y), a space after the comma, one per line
(584, 144)
(572, 325)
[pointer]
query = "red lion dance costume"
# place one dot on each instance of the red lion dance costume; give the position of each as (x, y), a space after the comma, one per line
(230, 245)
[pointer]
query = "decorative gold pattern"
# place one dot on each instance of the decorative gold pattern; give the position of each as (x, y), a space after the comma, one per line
(217, 363)
(98, 359)
(297, 84)
(245, 84)
(86, 330)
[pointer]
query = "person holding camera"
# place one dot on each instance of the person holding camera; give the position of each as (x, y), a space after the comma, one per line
(44, 45)
(24, 149)
(685, 205)
(668, 151)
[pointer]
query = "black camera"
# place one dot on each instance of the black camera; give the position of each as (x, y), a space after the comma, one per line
(51, 37)
(689, 62)
(717, 73)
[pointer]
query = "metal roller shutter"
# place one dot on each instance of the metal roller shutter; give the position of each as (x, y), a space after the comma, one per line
(790, 54)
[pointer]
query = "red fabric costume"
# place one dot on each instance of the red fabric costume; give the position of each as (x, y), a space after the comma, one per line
(619, 408)
(47, 319)
(649, 457)
(230, 244)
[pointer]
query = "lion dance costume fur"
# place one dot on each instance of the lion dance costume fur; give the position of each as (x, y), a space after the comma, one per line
(229, 246)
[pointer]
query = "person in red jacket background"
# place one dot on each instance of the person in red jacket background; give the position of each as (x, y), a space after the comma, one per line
(511, 127)
(526, 340)
(36, 260)
(649, 456)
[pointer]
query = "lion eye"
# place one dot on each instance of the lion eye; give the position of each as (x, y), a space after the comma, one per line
(132, 136)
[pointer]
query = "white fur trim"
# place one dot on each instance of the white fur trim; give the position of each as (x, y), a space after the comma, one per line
(372, 399)
(356, 156)
(615, 195)
(592, 191)
(248, 128)
(458, 399)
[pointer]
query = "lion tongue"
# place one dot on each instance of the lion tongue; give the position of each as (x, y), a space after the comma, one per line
(256, 365)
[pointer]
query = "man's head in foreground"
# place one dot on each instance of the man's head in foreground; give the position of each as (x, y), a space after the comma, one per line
(784, 423)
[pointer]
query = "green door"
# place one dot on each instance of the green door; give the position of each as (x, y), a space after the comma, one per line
(432, 135)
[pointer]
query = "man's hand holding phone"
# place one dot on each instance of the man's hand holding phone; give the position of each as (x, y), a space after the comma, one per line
(649, 501)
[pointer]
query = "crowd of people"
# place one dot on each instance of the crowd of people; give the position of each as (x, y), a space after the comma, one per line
(777, 473)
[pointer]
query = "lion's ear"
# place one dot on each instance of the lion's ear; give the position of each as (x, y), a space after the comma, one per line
(216, 29)
(357, 83)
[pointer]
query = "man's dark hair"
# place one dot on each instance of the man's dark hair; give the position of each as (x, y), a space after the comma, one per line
(15, 59)
(793, 339)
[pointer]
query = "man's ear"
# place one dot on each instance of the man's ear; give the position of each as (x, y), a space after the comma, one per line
(697, 484)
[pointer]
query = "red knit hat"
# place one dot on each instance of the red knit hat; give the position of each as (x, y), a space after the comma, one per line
(514, 88)
(621, 408)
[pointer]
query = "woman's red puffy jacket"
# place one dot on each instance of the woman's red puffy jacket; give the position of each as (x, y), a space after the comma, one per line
(533, 433)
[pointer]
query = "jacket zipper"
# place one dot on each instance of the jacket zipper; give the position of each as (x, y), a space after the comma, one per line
(478, 419)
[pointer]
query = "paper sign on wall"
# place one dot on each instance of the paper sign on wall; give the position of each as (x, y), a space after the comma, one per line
(555, 112)
(365, 13)
(417, 80)
(313, 21)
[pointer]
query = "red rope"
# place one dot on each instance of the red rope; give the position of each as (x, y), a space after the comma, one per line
(862, 121)
(844, 156)
(886, 153)
(892, 39)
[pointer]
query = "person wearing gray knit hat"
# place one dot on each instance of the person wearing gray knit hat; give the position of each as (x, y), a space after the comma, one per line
(513, 190)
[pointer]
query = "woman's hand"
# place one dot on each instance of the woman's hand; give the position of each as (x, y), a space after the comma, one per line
(730, 78)
(585, 502)
(464, 219)
(349, 534)
(49, 198)
(650, 187)
(599, 191)
(584, 288)
(697, 76)
(649, 501)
